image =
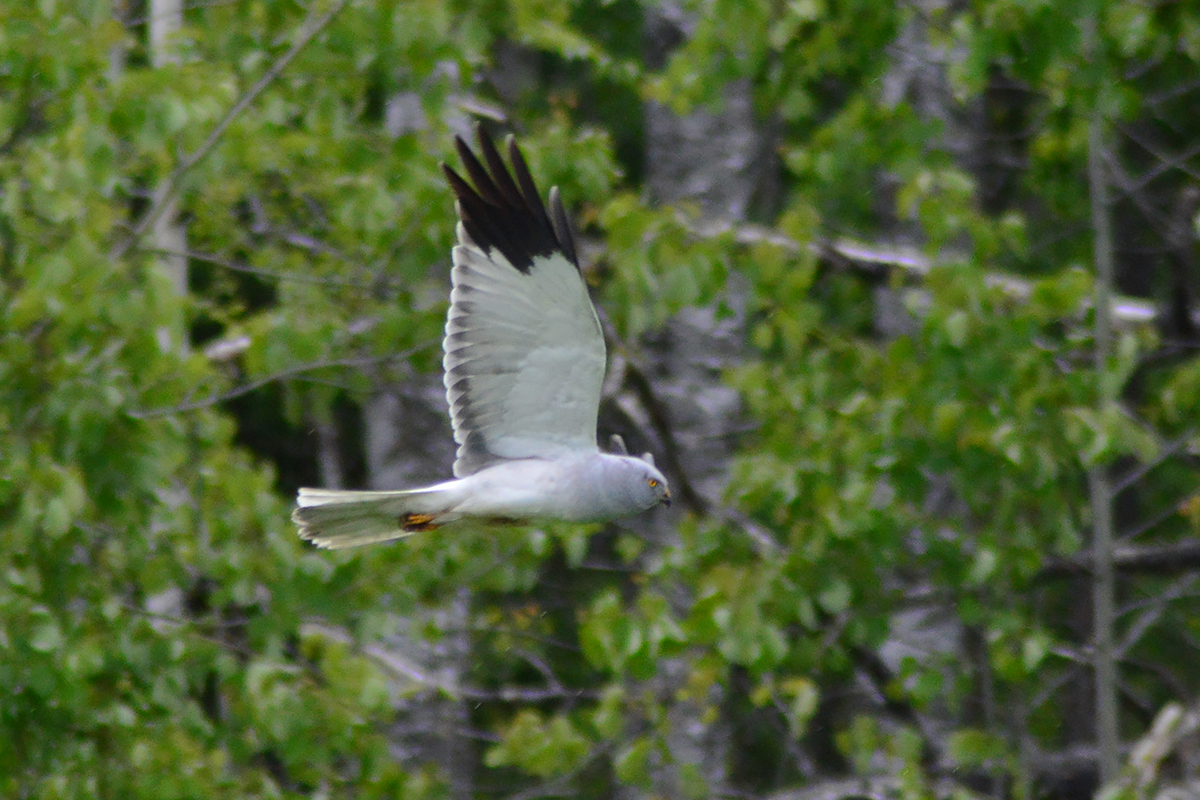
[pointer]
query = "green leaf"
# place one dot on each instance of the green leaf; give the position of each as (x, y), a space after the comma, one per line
(608, 635)
(975, 748)
(633, 763)
(56, 519)
(46, 637)
(540, 747)
(835, 598)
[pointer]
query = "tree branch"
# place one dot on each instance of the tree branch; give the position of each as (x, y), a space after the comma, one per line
(170, 189)
(404, 669)
(877, 258)
(1167, 559)
(636, 378)
(233, 266)
(1169, 449)
(258, 383)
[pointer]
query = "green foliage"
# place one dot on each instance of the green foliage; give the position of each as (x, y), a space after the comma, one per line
(539, 746)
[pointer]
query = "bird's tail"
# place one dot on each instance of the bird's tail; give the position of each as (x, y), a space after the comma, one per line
(336, 519)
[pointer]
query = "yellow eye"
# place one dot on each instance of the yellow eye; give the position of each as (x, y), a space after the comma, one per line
(653, 483)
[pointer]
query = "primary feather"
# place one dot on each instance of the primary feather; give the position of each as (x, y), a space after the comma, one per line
(524, 352)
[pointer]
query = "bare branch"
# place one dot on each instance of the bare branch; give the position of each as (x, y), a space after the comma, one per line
(170, 188)
(1169, 449)
(262, 226)
(636, 377)
(1153, 522)
(764, 542)
(1151, 615)
(404, 669)
(1167, 559)
(1167, 161)
(233, 266)
(291, 372)
(1178, 161)
(878, 257)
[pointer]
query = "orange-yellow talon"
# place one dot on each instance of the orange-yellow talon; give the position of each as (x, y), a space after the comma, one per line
(415, 523)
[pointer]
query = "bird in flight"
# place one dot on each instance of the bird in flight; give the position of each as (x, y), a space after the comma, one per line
(524, 359)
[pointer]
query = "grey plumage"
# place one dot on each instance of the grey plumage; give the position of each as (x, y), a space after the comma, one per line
(524, 361)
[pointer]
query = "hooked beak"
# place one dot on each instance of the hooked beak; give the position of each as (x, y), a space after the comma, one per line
(666, 500)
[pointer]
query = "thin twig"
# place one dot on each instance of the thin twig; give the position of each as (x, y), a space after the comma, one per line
(1158, 98)
(262, 226)
(1049, 689)
(636, 377)
(1152, 614)
(874, 258)
(291, 372)
(1167, 160)
(170, 188)
(233, 266)
(1165, 559)
(1150, 524)
(403, 668)
(1168, 450)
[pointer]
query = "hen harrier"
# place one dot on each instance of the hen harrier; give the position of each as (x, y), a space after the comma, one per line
(524, 359)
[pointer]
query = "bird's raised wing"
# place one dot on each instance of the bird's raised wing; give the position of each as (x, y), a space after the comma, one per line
(524, 352)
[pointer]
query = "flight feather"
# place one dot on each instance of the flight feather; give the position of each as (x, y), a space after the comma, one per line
(524, 352)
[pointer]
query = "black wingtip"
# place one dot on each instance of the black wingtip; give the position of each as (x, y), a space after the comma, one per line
(500, 208)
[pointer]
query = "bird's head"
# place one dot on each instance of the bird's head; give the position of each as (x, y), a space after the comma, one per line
(652, 486)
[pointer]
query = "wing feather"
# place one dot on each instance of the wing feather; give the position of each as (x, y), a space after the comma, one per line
(524, 352)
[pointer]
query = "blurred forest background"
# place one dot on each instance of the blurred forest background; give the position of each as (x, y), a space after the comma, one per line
(938, 529)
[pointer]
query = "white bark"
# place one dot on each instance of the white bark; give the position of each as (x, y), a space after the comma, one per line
(168, 236)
